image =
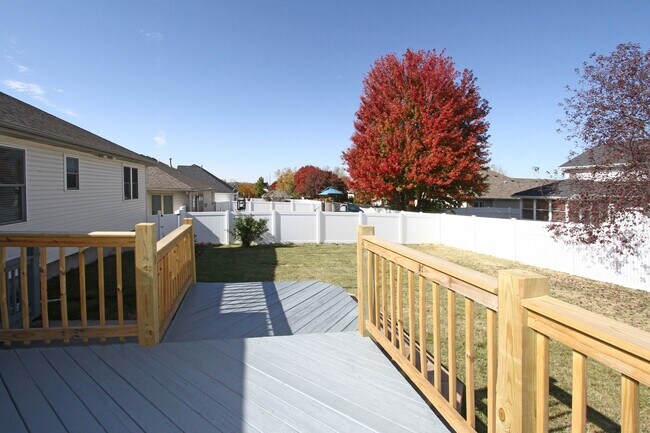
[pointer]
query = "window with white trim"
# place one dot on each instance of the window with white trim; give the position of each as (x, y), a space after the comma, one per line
(164, 203)
(13, 208)
(71, 173)
(130, 183)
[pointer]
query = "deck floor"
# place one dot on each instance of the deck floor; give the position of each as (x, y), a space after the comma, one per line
(239, 310)
(301, 382)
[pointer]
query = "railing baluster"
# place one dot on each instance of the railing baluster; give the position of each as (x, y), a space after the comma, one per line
(423, 324)
(579, 393)
(437, 361)
(391, 271)
(101, 290)
(492, 370)
(470, 404)
(384, 288)
(411, 288)
(629, 405)
(63, 291)
(119, 288)
(451, 355)
(83, 307)
(4, 308)
(45, 321)
(371, 287)
(541, 403)
(24, 290)
(377, 294)
(400, 309)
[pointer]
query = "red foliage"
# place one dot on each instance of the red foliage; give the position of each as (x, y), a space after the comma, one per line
(420, 134)
(310, 180)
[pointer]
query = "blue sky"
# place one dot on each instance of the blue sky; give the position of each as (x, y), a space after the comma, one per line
(245, 88)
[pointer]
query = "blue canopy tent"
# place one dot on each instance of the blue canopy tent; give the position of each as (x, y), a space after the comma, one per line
(330, 190)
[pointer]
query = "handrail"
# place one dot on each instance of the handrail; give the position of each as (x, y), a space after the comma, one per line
(381, 267)
(55, 240)
(623, 348)
(33, 302)
(472, 284)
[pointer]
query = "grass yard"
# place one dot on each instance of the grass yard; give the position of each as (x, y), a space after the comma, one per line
(335, 264)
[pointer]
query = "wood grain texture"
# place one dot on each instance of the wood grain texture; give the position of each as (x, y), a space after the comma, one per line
(629, 405)
(579, 394)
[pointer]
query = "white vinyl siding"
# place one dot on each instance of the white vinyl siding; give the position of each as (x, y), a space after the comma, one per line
(98, 205)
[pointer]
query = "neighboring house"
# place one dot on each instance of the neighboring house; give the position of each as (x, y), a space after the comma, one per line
(217, 190)
(168, 189)
(55, 176)
(500, 190)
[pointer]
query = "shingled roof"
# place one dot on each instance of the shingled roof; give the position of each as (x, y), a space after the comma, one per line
(21, 120)
(204, 176)
(162, 177)
(503, 187)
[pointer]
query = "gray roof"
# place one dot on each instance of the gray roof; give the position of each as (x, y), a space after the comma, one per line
(21, 120)
(564, 188)
(503, 187)
(163, 177)
(204, 176)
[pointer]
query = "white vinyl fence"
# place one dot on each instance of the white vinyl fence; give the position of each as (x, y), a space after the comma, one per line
(527, 242)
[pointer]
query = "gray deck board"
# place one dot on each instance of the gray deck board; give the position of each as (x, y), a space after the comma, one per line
(237, 310)
(238, 357)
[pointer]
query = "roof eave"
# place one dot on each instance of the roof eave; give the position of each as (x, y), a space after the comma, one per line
(52, 140)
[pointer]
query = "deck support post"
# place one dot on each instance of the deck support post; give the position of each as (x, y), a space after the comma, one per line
(361, 287)
(146, 284)
(190, 222)
(517, 363)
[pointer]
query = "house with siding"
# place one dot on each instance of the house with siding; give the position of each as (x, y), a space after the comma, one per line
(55, 176)
(168, 189)
(218, 190)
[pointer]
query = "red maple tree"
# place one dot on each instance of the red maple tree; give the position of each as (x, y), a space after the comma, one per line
(310, 180)
(420, 137)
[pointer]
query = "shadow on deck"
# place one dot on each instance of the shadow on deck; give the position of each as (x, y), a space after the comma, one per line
(213, 373)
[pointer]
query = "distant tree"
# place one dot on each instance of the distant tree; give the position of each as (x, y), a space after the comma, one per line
(285, 180)
(608, 116)
(420, 137)
(246, 190)
(310, 181)
(260, 187)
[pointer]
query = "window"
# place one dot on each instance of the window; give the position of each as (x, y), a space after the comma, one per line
(71, 173)
(12, 185)
(162, 203)
(541, 210)
(130, 183)
(479, 204)
(528, 209)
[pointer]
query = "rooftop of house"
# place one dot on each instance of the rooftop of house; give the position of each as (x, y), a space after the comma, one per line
(501, 186)
(553, 189)
(163, 177)
(21, 120)
(202, 175)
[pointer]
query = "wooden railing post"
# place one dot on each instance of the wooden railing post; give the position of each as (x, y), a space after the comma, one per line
(516, 371)
(146, 284)
(361, 287)
(190, 222)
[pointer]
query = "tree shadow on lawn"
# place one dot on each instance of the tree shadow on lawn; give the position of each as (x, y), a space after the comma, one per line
(237, 264)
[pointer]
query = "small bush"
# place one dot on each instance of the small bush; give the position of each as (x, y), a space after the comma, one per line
(248, 229)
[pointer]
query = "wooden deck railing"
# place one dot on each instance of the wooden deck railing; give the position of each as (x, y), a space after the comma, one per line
(517, 344)
(163, 272)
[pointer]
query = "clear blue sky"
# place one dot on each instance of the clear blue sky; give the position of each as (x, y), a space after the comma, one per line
(245, 88)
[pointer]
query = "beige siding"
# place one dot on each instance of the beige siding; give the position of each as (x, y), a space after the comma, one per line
(179, 199)
(97, 205)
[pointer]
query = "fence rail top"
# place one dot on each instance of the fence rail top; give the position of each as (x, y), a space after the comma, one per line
(92, 239)
(483, 281)
(633, 340)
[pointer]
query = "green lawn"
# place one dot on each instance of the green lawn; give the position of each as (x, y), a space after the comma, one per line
(335, 264)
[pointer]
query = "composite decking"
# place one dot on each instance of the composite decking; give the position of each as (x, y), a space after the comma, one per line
(239, 310)
(305, 378)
